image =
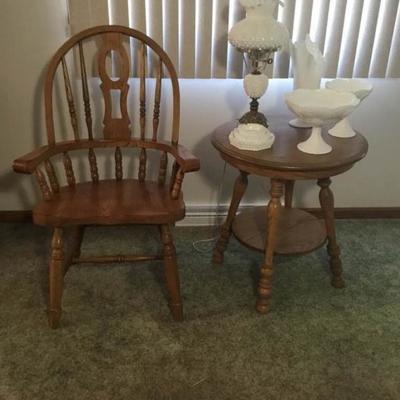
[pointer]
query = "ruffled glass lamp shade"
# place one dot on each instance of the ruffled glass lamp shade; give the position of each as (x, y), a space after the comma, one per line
(259, 30)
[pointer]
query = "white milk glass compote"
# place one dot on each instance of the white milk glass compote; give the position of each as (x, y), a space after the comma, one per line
(317, 107)
(359, 88)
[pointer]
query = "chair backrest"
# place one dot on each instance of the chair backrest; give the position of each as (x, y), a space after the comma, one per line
(117, 131)
(112, 38)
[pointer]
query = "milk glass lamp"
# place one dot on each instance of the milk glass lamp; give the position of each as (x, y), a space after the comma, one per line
(258, 35)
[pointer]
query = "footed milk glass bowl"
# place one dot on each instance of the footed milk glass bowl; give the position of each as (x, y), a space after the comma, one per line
(359, 88)
(318, 106)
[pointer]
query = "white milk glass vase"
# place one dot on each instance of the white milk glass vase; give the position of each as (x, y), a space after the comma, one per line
(308, 68)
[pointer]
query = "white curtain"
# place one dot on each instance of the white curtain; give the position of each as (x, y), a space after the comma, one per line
(360, 38)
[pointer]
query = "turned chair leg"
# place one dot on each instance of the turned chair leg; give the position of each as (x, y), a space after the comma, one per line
(74, 250)
(78, 237)
(222, 243)
(327, 204)
(55, 278)
(266, 272)
(171, 273)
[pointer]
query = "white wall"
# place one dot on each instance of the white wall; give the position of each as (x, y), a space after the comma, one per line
(373, 182)
(30, 32)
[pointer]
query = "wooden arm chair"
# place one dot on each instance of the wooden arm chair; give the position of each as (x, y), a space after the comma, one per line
(120, 200)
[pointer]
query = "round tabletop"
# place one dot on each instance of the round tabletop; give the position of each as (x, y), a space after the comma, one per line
(285, 158)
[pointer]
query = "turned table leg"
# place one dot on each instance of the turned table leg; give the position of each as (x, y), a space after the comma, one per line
(222, 243)
(327, 204)
(289, 186)
(265, 281)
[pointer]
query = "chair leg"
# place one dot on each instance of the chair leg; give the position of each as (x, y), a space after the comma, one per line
(171, 273)
(74, 248)
(78, 237)
(55, 278)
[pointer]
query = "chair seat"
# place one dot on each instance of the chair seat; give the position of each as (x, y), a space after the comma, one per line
(110, 202)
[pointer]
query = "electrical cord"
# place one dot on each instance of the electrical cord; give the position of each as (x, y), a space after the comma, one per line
(204, 246)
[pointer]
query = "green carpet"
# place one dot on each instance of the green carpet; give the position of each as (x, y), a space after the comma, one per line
(118, 341)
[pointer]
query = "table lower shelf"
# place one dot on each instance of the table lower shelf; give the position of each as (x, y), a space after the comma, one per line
(298, 231)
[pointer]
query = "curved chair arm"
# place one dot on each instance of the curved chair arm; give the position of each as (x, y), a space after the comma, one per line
(29, 162)
(185, 159)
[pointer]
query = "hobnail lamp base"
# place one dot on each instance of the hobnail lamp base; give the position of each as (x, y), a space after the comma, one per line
(342, 129)
(315, 144)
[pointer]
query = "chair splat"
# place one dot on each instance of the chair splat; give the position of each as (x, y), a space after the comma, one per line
(114, 127)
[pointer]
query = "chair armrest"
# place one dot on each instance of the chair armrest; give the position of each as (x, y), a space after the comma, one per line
(185, 159)
(29, 162)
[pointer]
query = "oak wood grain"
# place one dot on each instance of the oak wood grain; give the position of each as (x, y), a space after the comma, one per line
(110, 202)
(298, 232)
(284, 155)
(55, 278)
(274, 209)
(29, 162)
(114, 127)
(110, 44)
(116, 201)
(286, 230)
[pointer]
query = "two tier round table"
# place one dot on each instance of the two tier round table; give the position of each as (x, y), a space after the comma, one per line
(279, 228)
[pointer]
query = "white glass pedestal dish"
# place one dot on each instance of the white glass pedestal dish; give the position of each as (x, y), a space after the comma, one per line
(359, 88)
(342, 129)
(252, 137)
(299, 123)
(315, 144)
(318, 107)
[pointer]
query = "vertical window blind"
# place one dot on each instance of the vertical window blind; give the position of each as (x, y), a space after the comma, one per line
(359, 38)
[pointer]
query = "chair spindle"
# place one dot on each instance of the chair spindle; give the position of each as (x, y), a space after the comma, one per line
(93, 166)
(142, 73)
(163, 168)
(70, 99)
(157, 100)
(44, 187)
(85, 92)
(176, 188)
(118, 164)
(51, 173)
(69, 171)
(142, 165)
(175, 167)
